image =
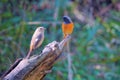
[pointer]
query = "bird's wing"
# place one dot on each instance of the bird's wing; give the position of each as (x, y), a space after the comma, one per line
(38, 40)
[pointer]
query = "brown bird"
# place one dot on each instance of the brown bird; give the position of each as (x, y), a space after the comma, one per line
(36, 40)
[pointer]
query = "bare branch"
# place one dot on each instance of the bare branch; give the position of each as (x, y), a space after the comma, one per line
(37, 67)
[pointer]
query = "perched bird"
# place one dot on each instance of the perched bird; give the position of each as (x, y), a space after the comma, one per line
(36, 40)
(67, 26)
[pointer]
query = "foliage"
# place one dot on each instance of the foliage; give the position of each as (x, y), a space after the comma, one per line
(95, 48)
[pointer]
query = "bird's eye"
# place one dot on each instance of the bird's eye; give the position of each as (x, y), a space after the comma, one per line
(40, 28)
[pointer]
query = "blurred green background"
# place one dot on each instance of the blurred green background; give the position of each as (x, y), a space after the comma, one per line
(95, 44)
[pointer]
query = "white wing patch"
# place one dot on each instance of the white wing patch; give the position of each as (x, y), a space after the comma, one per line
(36, 39)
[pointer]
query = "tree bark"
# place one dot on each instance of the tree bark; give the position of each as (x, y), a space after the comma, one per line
(38, 66)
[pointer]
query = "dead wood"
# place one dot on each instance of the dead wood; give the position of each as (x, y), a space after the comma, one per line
(38, 66)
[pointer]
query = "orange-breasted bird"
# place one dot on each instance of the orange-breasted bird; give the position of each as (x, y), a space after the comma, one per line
(67, 26)
(36, 40)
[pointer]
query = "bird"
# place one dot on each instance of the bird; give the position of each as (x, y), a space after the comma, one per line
(37, 40)
(67, 26)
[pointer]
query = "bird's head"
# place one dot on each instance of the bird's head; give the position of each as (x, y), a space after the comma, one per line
(67, 19)
(41, 29)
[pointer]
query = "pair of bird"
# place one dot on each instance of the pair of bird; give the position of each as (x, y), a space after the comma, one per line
(38, 36)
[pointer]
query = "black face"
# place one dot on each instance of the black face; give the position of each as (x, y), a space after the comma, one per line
(67, 19)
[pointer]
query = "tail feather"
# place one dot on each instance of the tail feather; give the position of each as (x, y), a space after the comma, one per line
(28, 55)
(64, 36)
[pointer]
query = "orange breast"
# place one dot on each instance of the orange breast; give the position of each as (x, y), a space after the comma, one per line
(67, 28)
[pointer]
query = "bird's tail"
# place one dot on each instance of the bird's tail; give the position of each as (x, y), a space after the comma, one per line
(28, 55)
(64, 36)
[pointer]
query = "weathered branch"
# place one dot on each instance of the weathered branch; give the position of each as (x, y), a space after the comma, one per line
(37, 67)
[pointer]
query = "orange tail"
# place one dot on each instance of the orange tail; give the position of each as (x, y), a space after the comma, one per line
(64, 36)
